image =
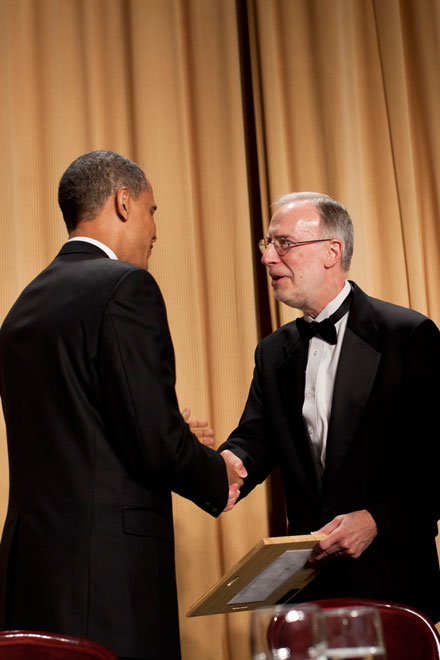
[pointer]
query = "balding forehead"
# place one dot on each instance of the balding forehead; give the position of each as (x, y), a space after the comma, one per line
(295, 218)
(296, 209)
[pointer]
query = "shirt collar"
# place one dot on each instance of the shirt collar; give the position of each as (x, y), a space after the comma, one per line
(334, 304)
(105, 248)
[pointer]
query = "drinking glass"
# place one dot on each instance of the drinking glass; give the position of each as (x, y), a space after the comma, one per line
(288, 633)
(354, 632)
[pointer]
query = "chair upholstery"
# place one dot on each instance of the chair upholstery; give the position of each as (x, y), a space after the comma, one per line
(408, 634)
(30, 645)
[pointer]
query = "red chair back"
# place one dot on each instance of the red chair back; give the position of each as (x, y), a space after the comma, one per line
(408, 634)
(28, 645)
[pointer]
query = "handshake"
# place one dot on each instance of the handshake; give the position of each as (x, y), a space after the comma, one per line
(234, 465)
(236, 473)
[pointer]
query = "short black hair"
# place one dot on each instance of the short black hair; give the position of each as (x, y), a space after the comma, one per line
(90, 180)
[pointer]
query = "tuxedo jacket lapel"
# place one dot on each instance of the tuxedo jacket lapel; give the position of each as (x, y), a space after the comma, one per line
(291, 382)
(357, 368)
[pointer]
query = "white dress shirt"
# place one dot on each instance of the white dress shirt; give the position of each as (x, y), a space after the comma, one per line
(105, 248)
(321, 368)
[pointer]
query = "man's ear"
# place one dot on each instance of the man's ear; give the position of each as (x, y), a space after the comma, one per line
(122, 201)
(334, 252)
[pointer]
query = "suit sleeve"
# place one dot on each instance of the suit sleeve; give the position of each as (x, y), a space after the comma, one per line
(412, 500)
(136, 375)
(250, 441)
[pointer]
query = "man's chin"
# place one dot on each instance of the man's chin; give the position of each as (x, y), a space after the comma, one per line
(283, 297)
(290, 301)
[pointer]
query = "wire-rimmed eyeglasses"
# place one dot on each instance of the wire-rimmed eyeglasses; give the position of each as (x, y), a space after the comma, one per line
(283, 245)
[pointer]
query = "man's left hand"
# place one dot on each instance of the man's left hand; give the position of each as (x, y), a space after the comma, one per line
(200, 428)
(348, 536)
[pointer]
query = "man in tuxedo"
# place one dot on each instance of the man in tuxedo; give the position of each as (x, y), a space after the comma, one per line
(95, 438)
(347, 409)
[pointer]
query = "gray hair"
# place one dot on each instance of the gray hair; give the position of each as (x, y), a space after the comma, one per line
(90, 180)
(335, 219)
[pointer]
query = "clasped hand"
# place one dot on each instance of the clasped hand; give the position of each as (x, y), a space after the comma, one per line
(236, 473)
(234, 465)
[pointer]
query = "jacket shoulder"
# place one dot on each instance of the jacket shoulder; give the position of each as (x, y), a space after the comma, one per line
(386, 313)
(276, 346)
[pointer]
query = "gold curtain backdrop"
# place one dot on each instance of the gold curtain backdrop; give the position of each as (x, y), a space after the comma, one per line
(345, 100)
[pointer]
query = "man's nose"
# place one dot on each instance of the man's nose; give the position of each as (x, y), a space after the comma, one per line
(270, 255)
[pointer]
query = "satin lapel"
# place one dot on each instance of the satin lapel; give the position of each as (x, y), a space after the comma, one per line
(355, 376)
(291, 382)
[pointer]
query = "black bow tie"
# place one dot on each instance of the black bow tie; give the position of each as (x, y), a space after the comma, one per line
(324, 329)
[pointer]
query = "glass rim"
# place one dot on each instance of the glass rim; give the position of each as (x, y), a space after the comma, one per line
(276, 609)
(346, 609)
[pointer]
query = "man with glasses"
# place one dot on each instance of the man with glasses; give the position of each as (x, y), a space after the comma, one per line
(344, 401)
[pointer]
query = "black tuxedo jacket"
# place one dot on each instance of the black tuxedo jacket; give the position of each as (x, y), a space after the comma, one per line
(382, 448)
(96, 445)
